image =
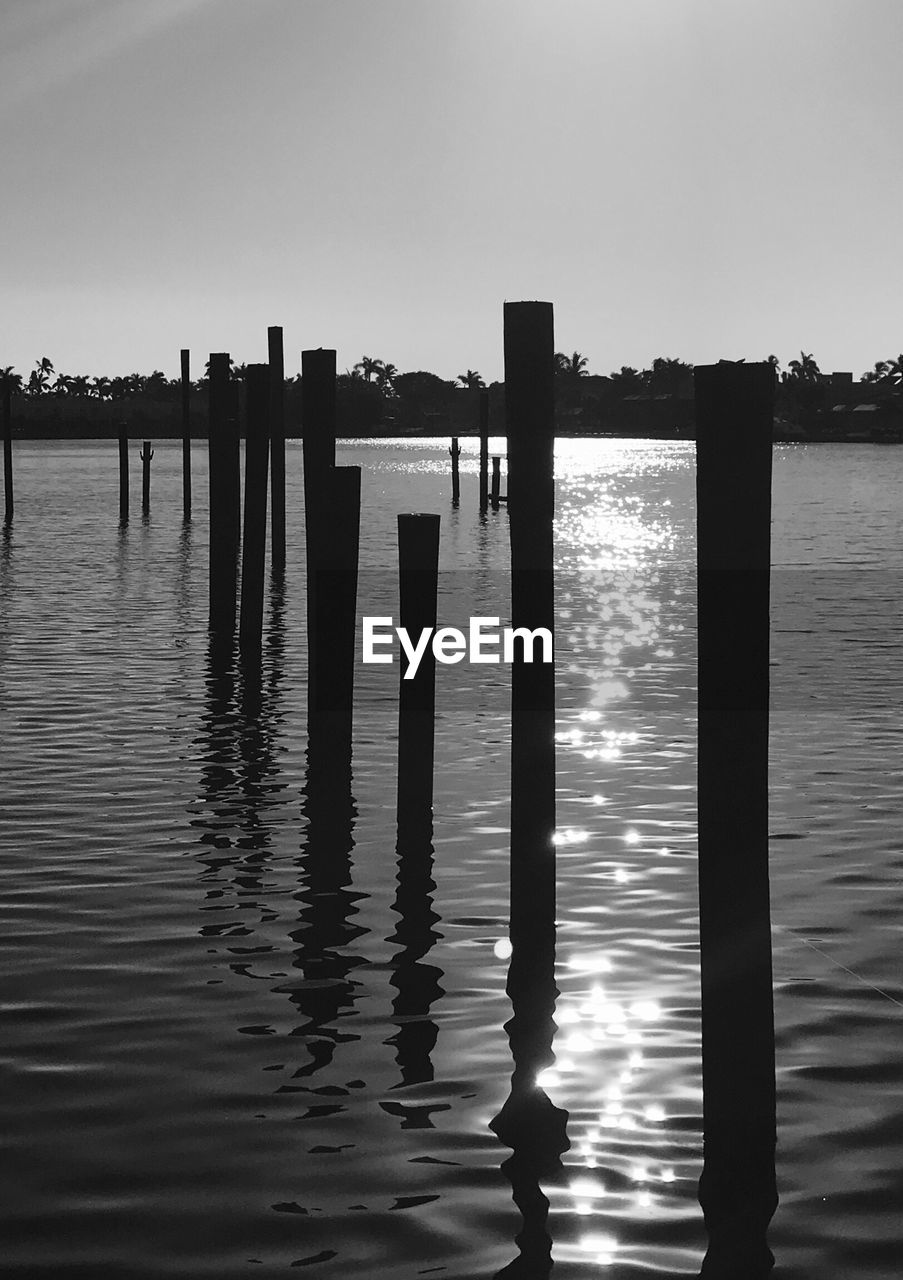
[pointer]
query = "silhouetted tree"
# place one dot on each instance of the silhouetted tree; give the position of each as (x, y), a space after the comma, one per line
(627, 381)
(803, 370)
(471, 380)
(573, 366)
(368, 367)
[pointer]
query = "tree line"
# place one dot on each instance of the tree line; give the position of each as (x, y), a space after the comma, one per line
(374, 396)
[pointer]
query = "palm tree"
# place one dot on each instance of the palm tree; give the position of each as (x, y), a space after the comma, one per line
(573, 366)
(39, 378)
(385, 378)
(471, 380)
(368, 367)
(12, 380)
(804, 370)
(894, 371)
(100, 387)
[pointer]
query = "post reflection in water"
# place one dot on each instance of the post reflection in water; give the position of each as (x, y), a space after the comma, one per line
(529, 1122)
(326, 991)
(417, 984)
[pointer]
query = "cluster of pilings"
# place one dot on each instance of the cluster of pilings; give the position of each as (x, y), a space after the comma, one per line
(734, 415)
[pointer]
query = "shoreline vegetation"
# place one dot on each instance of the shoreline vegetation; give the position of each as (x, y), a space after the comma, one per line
(376, 401)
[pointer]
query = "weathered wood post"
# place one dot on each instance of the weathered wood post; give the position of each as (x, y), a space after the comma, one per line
(250, 631)
(318, 430)
(332, 502)
(146, 454)
(418, 580)
(123, 474)
(186, 435)
(455, 453)
(336, 571)
(737, 1190)
(529, 1122)
(7, 449)
(529, 414)
(484, 450)
(276, 354)
(496, 482)
(233, 456)
(222, 534)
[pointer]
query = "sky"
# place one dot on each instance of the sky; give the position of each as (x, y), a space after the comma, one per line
(700, 179)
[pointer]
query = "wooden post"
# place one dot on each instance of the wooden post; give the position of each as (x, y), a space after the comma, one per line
(250, 634)
(7, 449)
(123, 474)
(186, 436)
(277, 446)
(418, 564)
(737, 1190)
(222, 544)
(529, 413)
(496, 482)
(318, 428)
(146, 454)
(484, 450)
(335, 570)
(233, 460)
(455, 452)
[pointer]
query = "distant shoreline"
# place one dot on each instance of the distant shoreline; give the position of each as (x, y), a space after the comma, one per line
(143, 432)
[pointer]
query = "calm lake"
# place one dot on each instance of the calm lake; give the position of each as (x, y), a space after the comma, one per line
(241, 1035)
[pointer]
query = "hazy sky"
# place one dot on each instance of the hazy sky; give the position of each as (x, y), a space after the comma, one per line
(692, 178)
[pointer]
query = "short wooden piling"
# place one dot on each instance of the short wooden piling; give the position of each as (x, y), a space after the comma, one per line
(418, 565)
(331, 653)
(318, 414)
(455, 452)
(7, 450)
(737, 1190)
(496, 482)
(250, 632)
(276, 354)
(123, 474)
(222, 535)
(186, 434)
(484, 450)
(146, 454)
(529, 413)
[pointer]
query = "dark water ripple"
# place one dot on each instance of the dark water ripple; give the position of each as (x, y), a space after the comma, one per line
(250, 1026)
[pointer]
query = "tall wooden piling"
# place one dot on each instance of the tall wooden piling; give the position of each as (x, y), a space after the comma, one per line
(276, 354)
(484, 449)
(123, 474)
(222, 534)
(529, 415)
(250, 632)
(6, 393)
(233, 456)
(146, 454)
(186, 434)
(418, 580)
(455, 452)
(737, 1191)
(496, 482)
(332, 502)
(318, 434)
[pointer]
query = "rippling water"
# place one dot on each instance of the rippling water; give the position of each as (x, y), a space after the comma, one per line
(246, 1030)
